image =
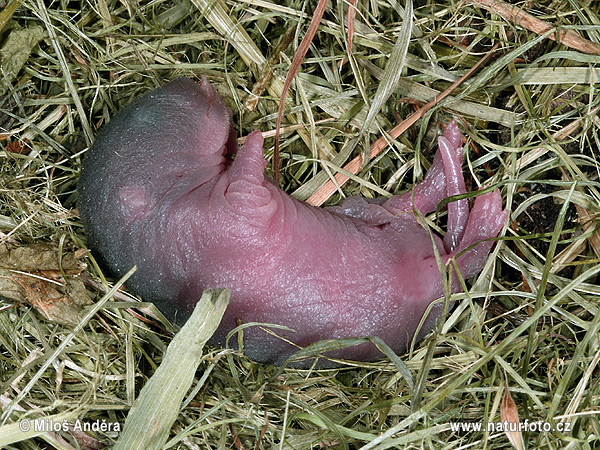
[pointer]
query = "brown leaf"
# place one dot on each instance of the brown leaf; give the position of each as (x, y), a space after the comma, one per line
(37, 257)
(510, 418)
(31, 275)
(514, 14)
(59, 301)
(15, 51)
(18, 147)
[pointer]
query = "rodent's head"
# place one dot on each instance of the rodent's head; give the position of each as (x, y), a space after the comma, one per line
(158, 147)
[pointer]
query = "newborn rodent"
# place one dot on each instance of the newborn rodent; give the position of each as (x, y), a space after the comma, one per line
(165, 187)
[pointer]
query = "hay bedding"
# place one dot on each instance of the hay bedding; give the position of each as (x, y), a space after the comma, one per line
(528, 325)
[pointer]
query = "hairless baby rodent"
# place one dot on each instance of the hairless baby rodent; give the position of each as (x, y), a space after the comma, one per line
(165, 187)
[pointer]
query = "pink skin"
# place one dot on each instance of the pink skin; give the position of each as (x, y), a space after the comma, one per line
(158, 189)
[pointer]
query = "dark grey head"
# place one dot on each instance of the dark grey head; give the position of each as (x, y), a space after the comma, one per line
(161, 145)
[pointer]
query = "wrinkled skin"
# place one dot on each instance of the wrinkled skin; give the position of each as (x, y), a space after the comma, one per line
(159, 189)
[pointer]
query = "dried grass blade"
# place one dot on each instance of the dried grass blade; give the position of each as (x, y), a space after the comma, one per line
(298, 57)
(559, 75)
(559, 135)
(63, 345)
(328, 189)
(513, 14)
(351, 18)
(493, 352)
(393, 68)
(157, 407)
(425, 94)
(87, 130)
(215, 13)
(7, 13)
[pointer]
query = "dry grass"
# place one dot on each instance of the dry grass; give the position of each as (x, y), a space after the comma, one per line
(530, 321)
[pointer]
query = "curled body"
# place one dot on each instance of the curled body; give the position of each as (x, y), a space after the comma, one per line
(166, 187)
